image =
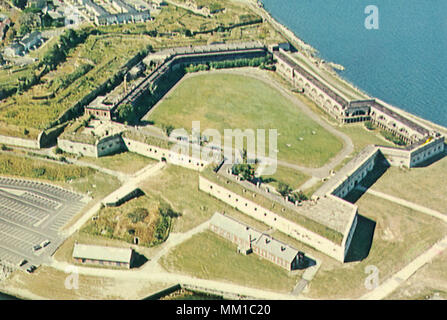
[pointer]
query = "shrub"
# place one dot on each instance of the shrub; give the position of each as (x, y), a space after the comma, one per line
(138, 215)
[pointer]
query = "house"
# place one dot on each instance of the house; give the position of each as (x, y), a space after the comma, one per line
(99, 109)
(235, 231)
(106, 256)
(277, 252)
(250, 240)
(31, 40)
(40, 4)
(14, 50)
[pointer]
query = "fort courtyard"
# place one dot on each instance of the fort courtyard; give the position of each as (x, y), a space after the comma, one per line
(358, 184)
(224, 100)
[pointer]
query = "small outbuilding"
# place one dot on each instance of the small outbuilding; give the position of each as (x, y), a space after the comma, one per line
(106, 256)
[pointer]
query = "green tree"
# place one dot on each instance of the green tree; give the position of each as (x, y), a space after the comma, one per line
(284, 189)
(20, 3)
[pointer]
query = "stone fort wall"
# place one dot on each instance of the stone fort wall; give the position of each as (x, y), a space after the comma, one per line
(274, 220)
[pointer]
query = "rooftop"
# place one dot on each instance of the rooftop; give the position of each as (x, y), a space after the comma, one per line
(329, 217)
(99, 104)
(239, 229)
(346, 171)
(323, 87)
(277, 248)
(92, 252)
(261, 240)
(400, 118)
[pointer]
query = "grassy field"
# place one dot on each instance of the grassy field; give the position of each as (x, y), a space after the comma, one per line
(207, 263)
(172, 23)
(291, 177)
(40, 169)
(144, 217)
(228, 101)
(400, 235)
(125, 162)
(180, 188)
(425, 186)
(429, 280)
(49, 283)
(104, 53)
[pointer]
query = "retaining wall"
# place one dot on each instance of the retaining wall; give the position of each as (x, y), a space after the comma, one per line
(272, 219)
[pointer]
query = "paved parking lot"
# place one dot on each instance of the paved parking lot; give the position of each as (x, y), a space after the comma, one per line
(32, 212)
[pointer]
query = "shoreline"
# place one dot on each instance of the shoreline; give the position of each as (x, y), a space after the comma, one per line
(290, 36)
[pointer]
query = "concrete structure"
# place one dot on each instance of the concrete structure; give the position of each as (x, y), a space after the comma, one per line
(379, 113)
(126, 13)
(106, 256)
(348, 177)
(98, 109)
(31, 40)
(14, 50)
(123, 196)
(172, 59)
(332, 213)
(250, 240)
(153, 151)
(175, 58)
(97, 139)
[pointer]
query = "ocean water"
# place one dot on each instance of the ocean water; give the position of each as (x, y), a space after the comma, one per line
(404, 62)
(4, 296)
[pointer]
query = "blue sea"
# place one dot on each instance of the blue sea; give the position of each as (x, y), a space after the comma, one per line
(4, 296)
(403, 62)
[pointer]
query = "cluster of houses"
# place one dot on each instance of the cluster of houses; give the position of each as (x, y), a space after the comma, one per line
(29, 42)
(126, 13)
(250, 240)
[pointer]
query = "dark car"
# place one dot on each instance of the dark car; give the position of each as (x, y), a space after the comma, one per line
(31, 269)
(23, 262)
(37, 247)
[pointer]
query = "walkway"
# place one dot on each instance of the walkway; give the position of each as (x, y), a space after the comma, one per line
(132, 182)
(397, 279)
(152, 271)
(409, 204)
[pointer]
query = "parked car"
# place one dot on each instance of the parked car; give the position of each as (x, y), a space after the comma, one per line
(37, 247)
(23, 262)
(31, 269)
(45, 243)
